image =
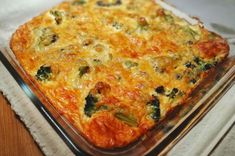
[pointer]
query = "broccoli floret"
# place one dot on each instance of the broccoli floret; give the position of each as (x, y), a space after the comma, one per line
(160, 90)
(206, 66)
(90, 106)
(83, 70)
(102, 107)
(178, 76)
(108, 4)
(79, 2)
(173, 93)
(169, 19)
(117, 25)
(129, 120)
(47, 37)
(94, 96)
(130, 64)
(203, 65)
(153, 106)
(58, 16)
(189, 65)
(44, 73)
(191, 32)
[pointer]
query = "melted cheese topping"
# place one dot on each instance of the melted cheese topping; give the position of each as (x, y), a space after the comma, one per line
(115, 68)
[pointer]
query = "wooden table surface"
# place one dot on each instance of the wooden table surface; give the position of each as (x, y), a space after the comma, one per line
(15, 139)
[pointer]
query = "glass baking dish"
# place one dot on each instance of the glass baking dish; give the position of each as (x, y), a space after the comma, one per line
(160, 139)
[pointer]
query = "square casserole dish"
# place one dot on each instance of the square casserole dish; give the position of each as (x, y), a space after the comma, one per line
(158, 140)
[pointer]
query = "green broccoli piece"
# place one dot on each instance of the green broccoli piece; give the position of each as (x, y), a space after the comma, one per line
(58, 16)
(83, 70)
(90, 106)
(160, 90)
(203, 65)
(130, 64)
(173, 93)
(44, 73)
(169, 19)
(189, 65)
(117, 25)
(79, 2)
(47, 37)
(129, 120)
(153, 106)
(108, 4)
(190, 32)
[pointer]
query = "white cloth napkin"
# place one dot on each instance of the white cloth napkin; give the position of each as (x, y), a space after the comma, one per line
(206, 134)
(199, 141)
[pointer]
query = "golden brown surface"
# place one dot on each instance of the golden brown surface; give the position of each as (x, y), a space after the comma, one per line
(14, 137)
(114, 70)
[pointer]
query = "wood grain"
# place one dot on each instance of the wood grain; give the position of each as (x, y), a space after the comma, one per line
(15, 139)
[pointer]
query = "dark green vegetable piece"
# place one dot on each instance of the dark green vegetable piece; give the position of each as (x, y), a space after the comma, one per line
(202, 64)
(47, 37)
(87, 42)
(206, 66)
(160, 90)
(117, 25)
(154, 106)
(178, 76)
(58, 16)
(169, 19)
(102, 107)
(83, 70)
(44, 73)
(130, 64)
(173, 93)
(191, 32)
(193, 81)
(130, 120)
(108, 4)
(189, 65)
(90, 107)
(197, 60)
(190, 42)
(79, 2)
